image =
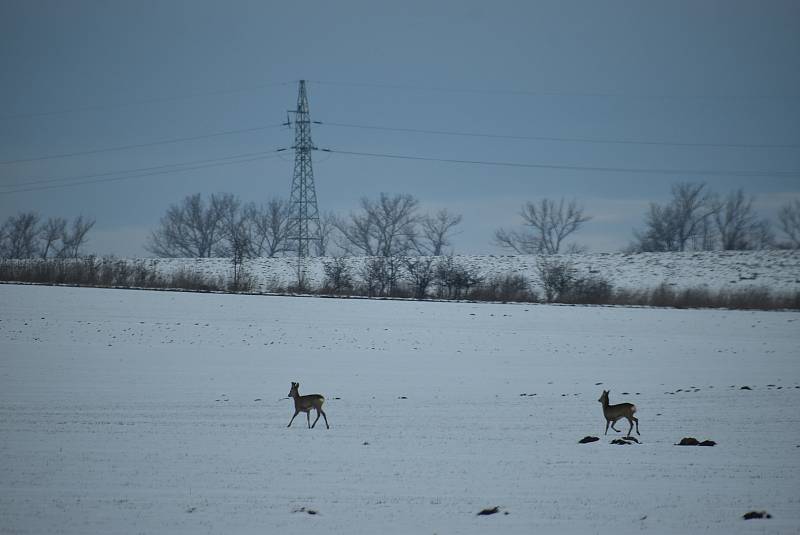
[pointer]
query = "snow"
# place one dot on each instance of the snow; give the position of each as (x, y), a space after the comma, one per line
(125, 411)
(777, 270)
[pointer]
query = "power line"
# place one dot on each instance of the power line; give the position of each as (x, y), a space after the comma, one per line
(560, 139)
(109, 173)
(139, 145)
(531, 93)
(141, 102)
(697, 172)
(138, 173)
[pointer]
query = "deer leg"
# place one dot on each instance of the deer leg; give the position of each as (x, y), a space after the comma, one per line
(292, 420)
(326, 418)
(607, 422)
(315, 421)
(631, 429)
(635, 419)
(308, 417)
(612, 426)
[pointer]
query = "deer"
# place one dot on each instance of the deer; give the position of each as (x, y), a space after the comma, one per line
(617, 412)
(305, 404)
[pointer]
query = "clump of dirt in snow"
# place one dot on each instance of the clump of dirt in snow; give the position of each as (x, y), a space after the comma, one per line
(624, 441)
(490, 511)
(756, 514)
(691, 441)
(587, 439)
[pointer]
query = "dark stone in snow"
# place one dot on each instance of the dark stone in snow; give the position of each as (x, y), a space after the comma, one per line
(587, 440)
(756, 514)
(625, 441)
(745, 388)
(489, 511)
(691, 441)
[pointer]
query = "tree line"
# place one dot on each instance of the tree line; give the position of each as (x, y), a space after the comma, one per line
(693, 219)
(697, 219)
(394, 226)
(391, 225)
(26, 235)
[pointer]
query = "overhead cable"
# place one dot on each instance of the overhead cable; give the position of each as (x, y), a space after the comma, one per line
(564, 139)
(139, 145)
(644, 170)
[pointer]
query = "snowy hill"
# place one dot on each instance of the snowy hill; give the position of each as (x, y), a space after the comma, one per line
(777, 270)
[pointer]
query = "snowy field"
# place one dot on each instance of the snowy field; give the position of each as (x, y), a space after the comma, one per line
(126, 411)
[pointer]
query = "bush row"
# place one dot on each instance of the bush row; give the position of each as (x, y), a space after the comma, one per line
(413, 279)
(107, 272)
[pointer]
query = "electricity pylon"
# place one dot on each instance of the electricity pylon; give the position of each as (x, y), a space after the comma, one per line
(304, 215)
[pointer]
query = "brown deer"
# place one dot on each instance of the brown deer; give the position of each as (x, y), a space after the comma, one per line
(305, 404)
(617, 412)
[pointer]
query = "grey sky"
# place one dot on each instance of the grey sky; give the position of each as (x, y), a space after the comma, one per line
(80, 76)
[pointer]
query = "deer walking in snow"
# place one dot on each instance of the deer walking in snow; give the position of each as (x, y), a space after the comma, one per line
(305, 404)
(617, 412)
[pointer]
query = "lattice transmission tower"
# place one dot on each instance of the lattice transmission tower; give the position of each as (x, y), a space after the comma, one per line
(304, 216)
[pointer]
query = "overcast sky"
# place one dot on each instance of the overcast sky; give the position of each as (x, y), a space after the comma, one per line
(707, 89)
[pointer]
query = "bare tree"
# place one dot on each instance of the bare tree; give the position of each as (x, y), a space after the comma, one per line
(546, 226)
(436, 231)
(3, 238)
(50, 233)
(74, 238)
(193, 229)
(20, 235)
(789, 223)
(692, 205)
(240, 247)
(737, 224)
(679, 223)
(326, 229)
(660, 234)
(384, 227)
(420, 272)
(234, 227)
(269, 227)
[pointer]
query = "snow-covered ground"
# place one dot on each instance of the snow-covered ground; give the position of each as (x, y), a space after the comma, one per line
(126, 411)
(777, 270)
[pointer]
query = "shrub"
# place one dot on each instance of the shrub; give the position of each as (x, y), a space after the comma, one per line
(588, 291)
(186, 279)
(556, 275)
(504, 288)
(338, 277)
(662, 296)
(420, 273)
(454, 280)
